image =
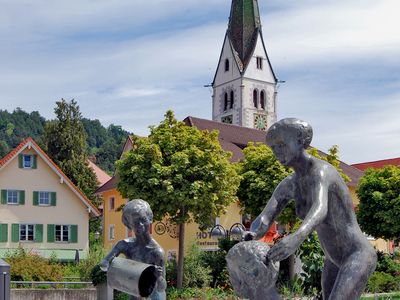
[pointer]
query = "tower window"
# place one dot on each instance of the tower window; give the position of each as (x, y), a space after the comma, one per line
(255, 98)
(262, 99)
(225, 101)
(226, 65)
(232, 99)
(259, 62)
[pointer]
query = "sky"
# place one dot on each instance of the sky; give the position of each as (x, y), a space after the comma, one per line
(126, 62)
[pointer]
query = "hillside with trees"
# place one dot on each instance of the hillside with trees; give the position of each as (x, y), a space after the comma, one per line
(104, 143)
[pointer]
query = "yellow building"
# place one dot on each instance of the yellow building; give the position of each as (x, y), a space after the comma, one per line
(41, 210)
(232, 138)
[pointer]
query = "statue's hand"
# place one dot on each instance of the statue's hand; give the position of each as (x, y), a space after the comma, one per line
(284, 248)
(249, 236)
(104, 265)
(159, 271)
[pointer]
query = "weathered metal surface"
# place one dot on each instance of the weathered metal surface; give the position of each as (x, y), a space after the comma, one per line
(132, 277)
(251, 275)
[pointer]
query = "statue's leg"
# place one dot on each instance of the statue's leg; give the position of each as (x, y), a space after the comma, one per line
(328, 279)
(353, 275)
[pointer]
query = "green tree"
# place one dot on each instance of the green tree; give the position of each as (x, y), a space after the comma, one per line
(65, 142)
(183, 173)
(379, 208)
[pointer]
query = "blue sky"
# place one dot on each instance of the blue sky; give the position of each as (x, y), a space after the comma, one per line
(127, 62)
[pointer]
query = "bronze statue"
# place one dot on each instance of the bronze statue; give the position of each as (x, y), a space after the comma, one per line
(137, 216)
(324, 204)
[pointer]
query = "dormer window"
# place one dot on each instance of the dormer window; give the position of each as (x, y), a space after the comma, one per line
(27, 161)
(226, 65)
(259, 62)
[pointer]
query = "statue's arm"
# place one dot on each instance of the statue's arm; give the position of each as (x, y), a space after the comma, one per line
(317, 213)
(119, 248)
(279, 199)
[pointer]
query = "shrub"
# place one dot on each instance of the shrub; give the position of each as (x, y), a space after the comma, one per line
(216, 262)
(387, 264)
(85, 266)
(312, 258)
(195, 273)
(31, 267)
(382, 282)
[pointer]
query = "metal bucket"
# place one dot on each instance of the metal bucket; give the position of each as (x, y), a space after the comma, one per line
(132, 277)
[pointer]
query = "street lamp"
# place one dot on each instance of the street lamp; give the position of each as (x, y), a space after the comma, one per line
(235, 232)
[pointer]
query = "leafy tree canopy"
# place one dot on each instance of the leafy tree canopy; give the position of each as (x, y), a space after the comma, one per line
(379, 209)
(181, 171)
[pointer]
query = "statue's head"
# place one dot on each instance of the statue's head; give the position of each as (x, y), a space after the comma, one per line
(137, 215)
(288, 138)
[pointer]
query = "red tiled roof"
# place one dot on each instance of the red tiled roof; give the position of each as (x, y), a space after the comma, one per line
(378, 164)
(45, 157)
(101, 176)
(109, 185)
(235, 138)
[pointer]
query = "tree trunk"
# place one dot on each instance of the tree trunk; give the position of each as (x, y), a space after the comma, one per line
(292, 259)
(181, 254)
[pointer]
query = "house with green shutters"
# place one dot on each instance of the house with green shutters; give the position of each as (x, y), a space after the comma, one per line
(41, 210)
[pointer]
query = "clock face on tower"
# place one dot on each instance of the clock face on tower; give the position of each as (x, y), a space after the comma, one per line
(260, 122)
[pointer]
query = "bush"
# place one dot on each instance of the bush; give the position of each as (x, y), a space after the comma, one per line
(195, 273)
(31, 267)
(382, 282)
(85, 266)
(387, 264)
(215, 260)
(312, 258)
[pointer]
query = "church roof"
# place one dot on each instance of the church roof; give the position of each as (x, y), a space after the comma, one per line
(243, 28)
(235, 138)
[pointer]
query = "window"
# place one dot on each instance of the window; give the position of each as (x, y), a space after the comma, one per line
(232, 99)
(44, 198)
(262, 99)
(259, 62)
(27, 162)
(62, 233)
(255, 98)
(26, 232)
(111, 232)
(12, 197)
(226, 65)
(225, 101)
(112, 203)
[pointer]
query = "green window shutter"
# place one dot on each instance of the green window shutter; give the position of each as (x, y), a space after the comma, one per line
(53, 198)
(21, 195)
(74, 234)
(50, 233)
(35, 198)
(34, 161)
(3, 196)
(38, 233)
(20, 161)
(15, 233)
(3, 233)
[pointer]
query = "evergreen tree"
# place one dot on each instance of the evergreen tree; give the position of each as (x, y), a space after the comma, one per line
(65, 143)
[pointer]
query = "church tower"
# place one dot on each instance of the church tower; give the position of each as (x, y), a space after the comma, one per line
(244, 85)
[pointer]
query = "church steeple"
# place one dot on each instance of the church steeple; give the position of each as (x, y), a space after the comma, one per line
(244, 24)
(244, 85)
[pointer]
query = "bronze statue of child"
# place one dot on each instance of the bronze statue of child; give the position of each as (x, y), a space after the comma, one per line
(324, 204)
(137, 216)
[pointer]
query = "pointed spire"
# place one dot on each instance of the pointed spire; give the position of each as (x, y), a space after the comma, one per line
(244, 24)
